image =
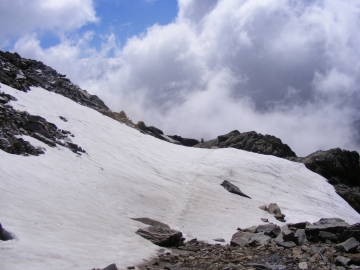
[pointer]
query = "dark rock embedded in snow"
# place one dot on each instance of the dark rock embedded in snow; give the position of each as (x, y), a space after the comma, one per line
(5, 235)
(233, 189)
(151, 222)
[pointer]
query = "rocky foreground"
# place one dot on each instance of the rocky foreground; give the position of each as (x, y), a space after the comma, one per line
(326, 244)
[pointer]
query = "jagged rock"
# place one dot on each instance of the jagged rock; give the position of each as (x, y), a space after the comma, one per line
(161, 236)
(350, 194)
(327, 224)
(349, 245)
(251, 141)
(233, 189)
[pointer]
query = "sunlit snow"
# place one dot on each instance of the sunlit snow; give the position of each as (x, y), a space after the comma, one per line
(73, 212)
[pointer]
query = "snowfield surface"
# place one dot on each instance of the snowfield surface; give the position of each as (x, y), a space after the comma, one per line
(73, 212)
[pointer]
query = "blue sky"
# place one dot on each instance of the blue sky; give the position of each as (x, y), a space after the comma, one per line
(200, 68)
(124, 18)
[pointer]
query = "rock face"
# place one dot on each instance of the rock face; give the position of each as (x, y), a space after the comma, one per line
(341, 168)
(233, 189)
(252, 142)
(335, 163)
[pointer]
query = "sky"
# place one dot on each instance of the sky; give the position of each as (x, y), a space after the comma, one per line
(199, 69)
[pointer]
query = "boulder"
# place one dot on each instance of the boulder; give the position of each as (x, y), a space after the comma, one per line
(324, 235)
(233, 189)
(161, 236)
(288, 235)
(151, 222)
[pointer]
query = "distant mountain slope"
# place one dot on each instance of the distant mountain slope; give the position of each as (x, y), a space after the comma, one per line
(72, 211)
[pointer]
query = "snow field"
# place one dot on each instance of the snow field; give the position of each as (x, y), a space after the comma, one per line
(73, 212)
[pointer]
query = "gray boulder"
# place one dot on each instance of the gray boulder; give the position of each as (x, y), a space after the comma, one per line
(161, 236)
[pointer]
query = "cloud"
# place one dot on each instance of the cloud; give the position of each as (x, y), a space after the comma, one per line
(20, 17)
(287, 68)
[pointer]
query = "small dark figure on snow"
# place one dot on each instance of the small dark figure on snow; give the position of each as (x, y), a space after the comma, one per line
(202, 140)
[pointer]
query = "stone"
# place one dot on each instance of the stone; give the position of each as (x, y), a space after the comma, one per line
(271, 230)
(303, 265)
(299, 225)
(185, 141)
(340, 260)
(161, 236)
(233, 189)
(264, 220)
(349, 245)
(259, 239)
(300, 236)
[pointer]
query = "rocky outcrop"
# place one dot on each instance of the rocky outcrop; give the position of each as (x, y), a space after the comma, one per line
(340, 168)
(14, 123)
(336, 165)
(252, 142)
